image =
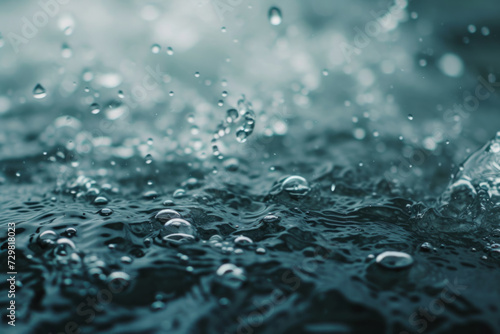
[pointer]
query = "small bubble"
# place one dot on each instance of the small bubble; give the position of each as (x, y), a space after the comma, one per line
(394, 260)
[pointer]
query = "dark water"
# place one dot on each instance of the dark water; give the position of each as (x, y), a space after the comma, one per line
(310, 190)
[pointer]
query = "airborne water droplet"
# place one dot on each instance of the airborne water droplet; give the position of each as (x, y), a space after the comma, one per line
(170, 51)
(95, 108)
(148, 159)
(275, 16)
(155, 48)
(39, 92)
(66, 51)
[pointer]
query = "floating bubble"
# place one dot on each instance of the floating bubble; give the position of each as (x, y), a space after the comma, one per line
(394, 260)
(165, 215)
(296, 186)
(243, 241)
(47, 238)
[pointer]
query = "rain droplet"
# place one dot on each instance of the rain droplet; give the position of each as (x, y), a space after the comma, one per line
(66, 51)
(155, 48)
(120, 94)
(197, 74)
(394, 260)
(325, 73)
(232, 115)
(148, 159)
(275, 16)
(95, 108)
(241, 135)
(39, 92)
(170, 51)
(410, 117)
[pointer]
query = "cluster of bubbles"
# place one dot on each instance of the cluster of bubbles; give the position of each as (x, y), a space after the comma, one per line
(87, 188)
(240, 119)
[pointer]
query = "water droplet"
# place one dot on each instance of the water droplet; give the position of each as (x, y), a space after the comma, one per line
(223, 29)
(178, 231)
(394, 260)
(101, 200)
(39, 92)
(170, 51)
(179, 193)
(165, 215)
(270, 219)
(105, 212)
(332, 188)
(95, 108)
(148, 159)
(64, 247)
(120, 94)
(197, 74)
(155, 48)
(231, 115)
(224, 93)
(426, 247)
(243, 241)
(118, 281)
(325, 73)
(296, 186)
(47, 238)
(231, 275)
(66, 51)
(275, 16)
(70, 232)
(241, 135)
(410, 117)
(171, 93)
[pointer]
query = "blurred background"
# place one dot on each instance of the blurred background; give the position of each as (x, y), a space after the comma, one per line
(203, 105)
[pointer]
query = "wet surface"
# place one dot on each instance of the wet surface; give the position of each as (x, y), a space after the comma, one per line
(196, 168)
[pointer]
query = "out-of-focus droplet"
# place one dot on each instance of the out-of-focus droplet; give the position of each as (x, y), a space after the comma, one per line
(451, 65)
(275, 17)
(325, 72)
(66, 51)
(39, 92)
(120, 94)
(394, 260)
(170, 51)
(95, 108)
(243, 241)
(410, 117)
(148, 159)
(231, 115)
(197, 74)
(155, 48)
